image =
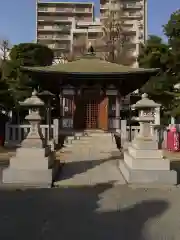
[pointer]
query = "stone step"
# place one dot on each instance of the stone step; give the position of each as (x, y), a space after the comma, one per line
(78, 134)
(68, 141)
(80, 142)
(100, 135)
(67, 146)
(70, 137)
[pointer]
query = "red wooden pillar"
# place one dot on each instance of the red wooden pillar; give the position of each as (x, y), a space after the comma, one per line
(103, 113)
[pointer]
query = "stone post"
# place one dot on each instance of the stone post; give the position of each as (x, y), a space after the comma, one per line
(123, 132)
(157, 120)
(31, 164)
(56, 130)
(143, 162)
(118, 108)
(172, 120)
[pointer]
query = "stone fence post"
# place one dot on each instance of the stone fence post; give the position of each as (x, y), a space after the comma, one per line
(56, 130)
(123, 131)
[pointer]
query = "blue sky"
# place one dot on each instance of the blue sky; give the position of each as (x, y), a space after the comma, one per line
(17, 18)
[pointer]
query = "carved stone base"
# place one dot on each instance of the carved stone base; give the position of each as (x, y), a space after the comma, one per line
(147, 171)
(34, 178)
(29, 167)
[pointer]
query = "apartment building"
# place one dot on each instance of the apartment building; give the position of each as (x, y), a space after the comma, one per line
(134, 19)
(61, 24)
(132, 12)
(68, 27)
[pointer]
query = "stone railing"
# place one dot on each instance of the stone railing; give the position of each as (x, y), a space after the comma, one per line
(160, 134)
(16, 133)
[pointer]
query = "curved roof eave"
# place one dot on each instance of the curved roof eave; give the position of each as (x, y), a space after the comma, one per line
(44, 71)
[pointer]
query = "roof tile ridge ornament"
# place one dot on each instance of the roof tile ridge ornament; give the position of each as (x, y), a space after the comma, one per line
(144, 95)
(34, 93)
(90, 52)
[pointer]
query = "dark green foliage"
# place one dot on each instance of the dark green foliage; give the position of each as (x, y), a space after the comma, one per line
(172, 31)
(6, 100)
(166, 56)
(15, 85)
(156, 54)
(32, 54)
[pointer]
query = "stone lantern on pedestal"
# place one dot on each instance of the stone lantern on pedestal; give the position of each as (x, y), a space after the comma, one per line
(31, 165)
(34, 137)
(143, 161)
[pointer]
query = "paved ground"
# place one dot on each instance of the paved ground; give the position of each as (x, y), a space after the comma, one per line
(90, 161)
(80, 210)
(101, 212)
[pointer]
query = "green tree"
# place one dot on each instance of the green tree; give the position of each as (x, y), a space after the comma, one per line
(5, 97)
(166, 56)
(32, 54)
(157, 54)
(24, 54)
(172, 32)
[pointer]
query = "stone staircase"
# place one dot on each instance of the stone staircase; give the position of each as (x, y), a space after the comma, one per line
(90, 159)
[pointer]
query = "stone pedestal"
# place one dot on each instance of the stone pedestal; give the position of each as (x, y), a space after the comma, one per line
(31, 166)
(143, 162)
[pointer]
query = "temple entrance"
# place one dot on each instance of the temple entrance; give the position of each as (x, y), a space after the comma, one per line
(90, 112)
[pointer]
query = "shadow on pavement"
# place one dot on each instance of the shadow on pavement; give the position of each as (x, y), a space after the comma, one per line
(70, 169)
(72, 213)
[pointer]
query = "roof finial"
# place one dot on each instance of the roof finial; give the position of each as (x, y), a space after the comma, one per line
(144, 95)
(34, 93)
(90, 48)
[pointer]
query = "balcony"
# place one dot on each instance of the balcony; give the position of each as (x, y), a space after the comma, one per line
(104, 6)
(132, 5)
(65, 10)
(54, 28)
(132, 15)
(89, 30)
(43, 9)
(112, 7)
(84, 19)
(58, 46)
(54, 37)
(83, 10)
(54, 19)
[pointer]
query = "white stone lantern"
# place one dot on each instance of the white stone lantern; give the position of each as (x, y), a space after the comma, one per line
(32, 164)
(34, 137)
(143, 161)
(146, 109)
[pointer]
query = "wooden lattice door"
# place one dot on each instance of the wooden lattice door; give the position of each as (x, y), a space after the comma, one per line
(92, 109)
